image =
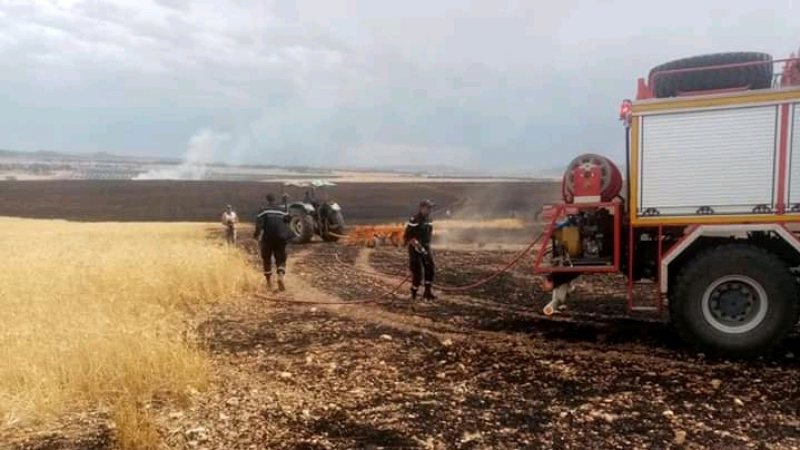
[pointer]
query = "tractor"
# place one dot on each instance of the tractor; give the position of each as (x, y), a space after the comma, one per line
(312, 216)
(707, 221)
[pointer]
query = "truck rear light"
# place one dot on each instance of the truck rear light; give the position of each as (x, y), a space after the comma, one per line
(625, 112)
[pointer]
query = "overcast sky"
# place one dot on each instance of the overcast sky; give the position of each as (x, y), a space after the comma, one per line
(494, 83)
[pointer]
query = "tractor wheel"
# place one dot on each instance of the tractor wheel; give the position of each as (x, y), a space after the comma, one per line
(754, 76)
(735, 300)
(302, 227)
(335, 227)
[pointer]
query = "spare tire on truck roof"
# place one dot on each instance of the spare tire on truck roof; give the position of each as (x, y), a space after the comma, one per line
(758, 76)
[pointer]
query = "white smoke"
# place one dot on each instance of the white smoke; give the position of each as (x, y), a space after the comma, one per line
(201, 151)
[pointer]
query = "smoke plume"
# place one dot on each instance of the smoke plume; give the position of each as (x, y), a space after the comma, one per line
(201, 151)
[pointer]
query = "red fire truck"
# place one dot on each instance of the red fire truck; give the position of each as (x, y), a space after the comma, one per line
(712, 192)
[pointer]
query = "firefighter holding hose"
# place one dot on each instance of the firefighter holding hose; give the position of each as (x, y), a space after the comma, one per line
(417, 237)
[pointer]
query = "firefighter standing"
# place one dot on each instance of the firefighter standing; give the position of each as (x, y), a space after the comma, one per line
(417, 237)
(273, 230)
(230, 220)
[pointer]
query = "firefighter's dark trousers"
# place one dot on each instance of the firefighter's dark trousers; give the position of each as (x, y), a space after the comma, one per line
(421, 266)
(273, 247)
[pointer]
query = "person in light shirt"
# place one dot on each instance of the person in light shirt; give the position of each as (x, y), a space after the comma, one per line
(230, 220)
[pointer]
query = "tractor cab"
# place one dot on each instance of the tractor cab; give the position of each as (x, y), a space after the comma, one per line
(315, 195)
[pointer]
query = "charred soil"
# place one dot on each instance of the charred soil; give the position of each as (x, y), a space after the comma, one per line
(482, 369)
(204, 201)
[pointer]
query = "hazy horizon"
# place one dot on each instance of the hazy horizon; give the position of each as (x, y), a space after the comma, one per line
(351, 82)
(190, 165)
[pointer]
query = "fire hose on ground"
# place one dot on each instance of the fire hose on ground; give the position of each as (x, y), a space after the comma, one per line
(514, 261)
(404, 279)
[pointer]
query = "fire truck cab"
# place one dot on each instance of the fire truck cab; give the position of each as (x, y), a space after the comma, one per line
(707, 213)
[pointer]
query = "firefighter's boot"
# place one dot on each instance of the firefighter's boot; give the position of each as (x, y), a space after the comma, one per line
(281, 285)
(428, 295)
(414, 290)
(268, 277)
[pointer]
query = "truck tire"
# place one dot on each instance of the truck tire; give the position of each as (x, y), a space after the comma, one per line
(734, 300)
(302, 227)
(755, 76)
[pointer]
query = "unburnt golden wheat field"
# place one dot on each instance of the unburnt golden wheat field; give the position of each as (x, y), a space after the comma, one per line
(92, 316)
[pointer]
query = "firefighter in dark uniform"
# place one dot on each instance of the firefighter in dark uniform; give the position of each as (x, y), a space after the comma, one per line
(272, 232)
(417, 237)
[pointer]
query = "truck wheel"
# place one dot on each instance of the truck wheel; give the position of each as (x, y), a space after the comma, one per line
(735, 300)
(757, 76)
(302, 226)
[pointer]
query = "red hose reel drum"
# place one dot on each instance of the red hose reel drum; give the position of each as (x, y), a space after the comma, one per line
(611, 184)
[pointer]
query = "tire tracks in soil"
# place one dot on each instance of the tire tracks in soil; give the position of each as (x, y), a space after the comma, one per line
(520, 342)
(369, 312)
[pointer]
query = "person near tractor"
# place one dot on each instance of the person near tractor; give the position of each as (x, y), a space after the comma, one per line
(417, 237)
(311, 197)
(272, 232)
(230, 220)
